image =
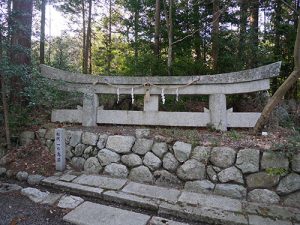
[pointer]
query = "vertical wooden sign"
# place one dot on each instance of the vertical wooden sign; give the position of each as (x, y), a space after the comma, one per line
(60, 149)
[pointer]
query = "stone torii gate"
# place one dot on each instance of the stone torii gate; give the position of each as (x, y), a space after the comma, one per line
(216, 86)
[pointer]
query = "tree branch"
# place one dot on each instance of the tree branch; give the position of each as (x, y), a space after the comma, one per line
(291, 7)
(297, 48)
(166, 14)
(187, 36)
(192, 34)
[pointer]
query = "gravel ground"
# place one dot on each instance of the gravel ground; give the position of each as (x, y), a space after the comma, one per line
(16, 209)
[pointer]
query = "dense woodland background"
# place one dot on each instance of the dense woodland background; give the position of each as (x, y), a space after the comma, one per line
(139, 38)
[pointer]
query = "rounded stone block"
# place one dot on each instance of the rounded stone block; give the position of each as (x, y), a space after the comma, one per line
(170, 163)
(79, 149)
(222, 157)
(73, 138)
(92, 166)
(102, 141)
(107, 157)
(78, 162)
(212, 174)
(89, 138)
(191, 170)
(289, 184)
(141, 174)
(116, 170)
(120, 144)
(231, 174)
(131, 160)
(263, 196)
(22, 175)
(160, 148)
(142, 146)
(166, 179)
(201, 154)
(35, 179)
(152, 161)
(292, 200)
(274, 160)
(248, 160)
(262, 180)
(182, 151)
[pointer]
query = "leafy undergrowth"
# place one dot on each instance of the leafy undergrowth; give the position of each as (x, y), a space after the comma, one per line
(33, 158)
(235, 138)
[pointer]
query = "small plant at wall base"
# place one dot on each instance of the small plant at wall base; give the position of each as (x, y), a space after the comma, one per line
(234, 135)
(290, 147)
(276, 171)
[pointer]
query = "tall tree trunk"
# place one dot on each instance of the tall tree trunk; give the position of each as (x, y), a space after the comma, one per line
(169, 20)
(254, 12)
(283, 89)
(21, 44)
(277, 46)
(42, 37)
(88, 39)
(136, 33)
(84, 68)
(21, 37)
(215, 34)
(109, 47)
(3, 95)
(197, 39)
(49, 39)
(243, 30)
(90, 59)
(157, 30)
(204, 46)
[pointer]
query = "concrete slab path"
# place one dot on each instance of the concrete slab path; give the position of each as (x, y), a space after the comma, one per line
(168, 202)
(90, 213)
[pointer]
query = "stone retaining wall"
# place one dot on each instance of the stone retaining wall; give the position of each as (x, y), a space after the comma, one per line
(261, 176)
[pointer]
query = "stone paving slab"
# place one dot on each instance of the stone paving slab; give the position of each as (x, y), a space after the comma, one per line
(67, 177)
(6, 187)
(131, 200)
(51, 199)
(90, 213)
(100, 181)
(50, 180)
(258, 220)
(79, 189)
(169, 201)
(203, 214)
(150, 191)
(69, 202)
(274, 211)
(213, 201)
(163, 221)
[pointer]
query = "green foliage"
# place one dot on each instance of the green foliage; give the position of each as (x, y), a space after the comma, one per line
(234, 135)
(43, 93)
(290, 147)
(276, 171)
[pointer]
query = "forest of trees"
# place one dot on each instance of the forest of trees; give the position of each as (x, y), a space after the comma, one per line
(145, 37)
(167, 37)
(162, 37)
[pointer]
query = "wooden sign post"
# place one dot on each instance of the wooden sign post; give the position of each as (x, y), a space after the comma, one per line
(60, 149)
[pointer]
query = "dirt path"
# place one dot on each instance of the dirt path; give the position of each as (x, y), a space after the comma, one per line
(16, 209)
